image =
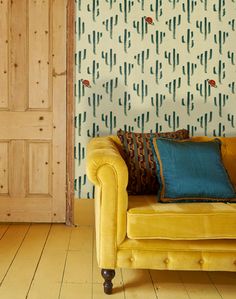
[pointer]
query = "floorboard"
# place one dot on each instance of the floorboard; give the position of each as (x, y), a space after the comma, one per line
(42, 261)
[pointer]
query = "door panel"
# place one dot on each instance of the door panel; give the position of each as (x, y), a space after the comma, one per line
(33, 110)
(3, 167)
(3, 54)
(40, 178)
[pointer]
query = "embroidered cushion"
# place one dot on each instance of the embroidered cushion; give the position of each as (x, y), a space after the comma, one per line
(140, 160)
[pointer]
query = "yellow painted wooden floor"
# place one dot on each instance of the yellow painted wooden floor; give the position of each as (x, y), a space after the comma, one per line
(41, 261)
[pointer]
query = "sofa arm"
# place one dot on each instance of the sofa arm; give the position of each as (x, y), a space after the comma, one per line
(107, 170)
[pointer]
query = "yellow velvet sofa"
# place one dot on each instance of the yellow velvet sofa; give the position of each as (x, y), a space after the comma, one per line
(138, 232)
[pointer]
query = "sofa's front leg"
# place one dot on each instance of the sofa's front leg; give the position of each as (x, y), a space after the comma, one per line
(108, 275)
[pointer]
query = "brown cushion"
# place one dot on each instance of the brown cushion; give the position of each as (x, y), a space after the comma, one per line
(140, 161)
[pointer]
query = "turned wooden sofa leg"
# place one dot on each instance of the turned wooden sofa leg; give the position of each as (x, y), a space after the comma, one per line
(108, 275)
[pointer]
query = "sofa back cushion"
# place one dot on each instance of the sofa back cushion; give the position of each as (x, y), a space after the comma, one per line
(140, 161)
(191, 171)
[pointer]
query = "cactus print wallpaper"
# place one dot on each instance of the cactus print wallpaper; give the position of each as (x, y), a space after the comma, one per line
(146, 65)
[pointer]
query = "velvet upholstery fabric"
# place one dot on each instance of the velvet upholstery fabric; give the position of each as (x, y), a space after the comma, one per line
(108, 172)
(191, 171)
(149, 219)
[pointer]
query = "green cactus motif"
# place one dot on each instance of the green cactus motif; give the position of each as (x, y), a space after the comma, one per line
(111, 2)
(232, 87)
(205, 4)
(172, 58)
(189, 7)
(157, 71)
(220, 131)
(231, 57)
(79, 120)
(94, 39)
(141, 89)
(79, 58)
(231, 119)
(220, 39)
(94, 102)
(204, 27)
(189, 70)
(94, 71)
(125, 71)
(220, 102)
(158, 128)
(157, 102)
(189, 102)
(220, 71)
(192, 129)
(110, 58)
(94, 131)
(204, 89)
(80, 153)
(157, 39)
(125, 8)
(220, 8)
(232, 24)
(141, 120)
(128, 128)
(189, 40)
(157, 9)
(81, 181)
(126, 40)
(174, 2)
(142, 2)
(109, 121)
(125, 102)
(110, 86)
(110, 24)
(172, 120)
(79, 5)
(173, 23)
(80, 28)
(204, 121)
(141, 58)
(94, 8)
(173, 86)
(141, 27)
(79, 93)
(204, 58)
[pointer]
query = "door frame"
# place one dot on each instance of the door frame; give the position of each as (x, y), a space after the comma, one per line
(70, 53)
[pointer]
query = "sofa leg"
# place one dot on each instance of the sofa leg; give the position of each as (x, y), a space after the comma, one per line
(108, 275)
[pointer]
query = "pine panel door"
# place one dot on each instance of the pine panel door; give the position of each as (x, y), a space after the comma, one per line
(33, 110)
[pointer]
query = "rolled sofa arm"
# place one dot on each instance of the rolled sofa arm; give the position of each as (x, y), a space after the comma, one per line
(107, 170)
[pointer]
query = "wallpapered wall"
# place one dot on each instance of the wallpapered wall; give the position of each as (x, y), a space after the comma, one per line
(153, 65)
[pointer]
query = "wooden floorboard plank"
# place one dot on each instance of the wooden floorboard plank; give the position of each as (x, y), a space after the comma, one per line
(138, 284)
(225, 282)
(81, 238)
(79, 259)
(3, 229)
(48, 279)
(27, 258)
(198, 285)
(168, 285)
(9, 245)
(76, 291)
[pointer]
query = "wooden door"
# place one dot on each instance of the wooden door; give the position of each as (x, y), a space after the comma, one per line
(33, 110)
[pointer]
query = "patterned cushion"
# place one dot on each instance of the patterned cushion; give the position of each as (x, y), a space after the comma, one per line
(140, 161)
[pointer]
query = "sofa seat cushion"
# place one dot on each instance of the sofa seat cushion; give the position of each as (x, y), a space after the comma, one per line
(149, 219)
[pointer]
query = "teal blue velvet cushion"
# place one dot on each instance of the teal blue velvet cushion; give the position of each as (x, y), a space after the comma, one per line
(191, 171)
